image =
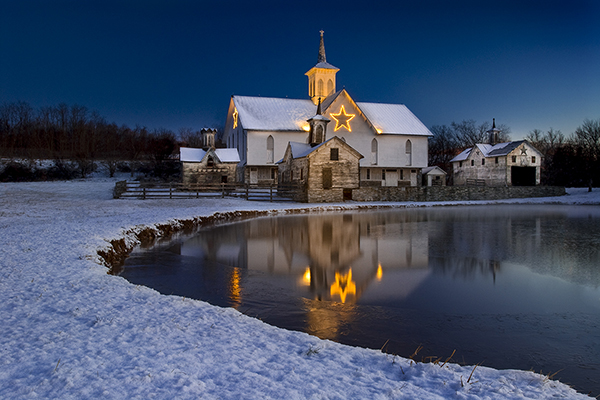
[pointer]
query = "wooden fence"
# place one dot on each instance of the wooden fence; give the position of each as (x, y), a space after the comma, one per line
(147, 190)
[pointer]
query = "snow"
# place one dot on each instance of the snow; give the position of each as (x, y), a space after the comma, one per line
(71, 331)
(190, 154)
(282, 114)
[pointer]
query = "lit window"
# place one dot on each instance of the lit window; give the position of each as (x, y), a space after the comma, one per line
(533, 159)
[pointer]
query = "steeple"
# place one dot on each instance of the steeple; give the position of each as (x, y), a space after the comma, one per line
(493, 133)
(322, 57)
(321, 77)
(318, 127)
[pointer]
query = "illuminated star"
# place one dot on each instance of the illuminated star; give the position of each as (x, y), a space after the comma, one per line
(343, 286)
(235, 118)
(342, 120)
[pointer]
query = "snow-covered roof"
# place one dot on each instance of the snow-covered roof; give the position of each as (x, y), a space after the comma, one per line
(189, 154)
(434, 169)
(281, 114)
(300, 150)
(487, 150)
(326, 65)
(393, 119)
(228, 155)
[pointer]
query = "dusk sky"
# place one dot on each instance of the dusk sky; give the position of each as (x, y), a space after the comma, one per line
(172, 64)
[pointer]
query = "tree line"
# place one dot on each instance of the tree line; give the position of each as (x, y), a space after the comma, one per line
(77, 140)
(571, 161)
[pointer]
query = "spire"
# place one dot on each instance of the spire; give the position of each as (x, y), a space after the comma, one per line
(319, 107)
(322, 57)
(493, 133)
(321, 77)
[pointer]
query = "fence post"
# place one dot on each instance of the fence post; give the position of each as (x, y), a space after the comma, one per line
(247, 191)
(222, 190)
(144, 193)
(271, 192)
(170, 190)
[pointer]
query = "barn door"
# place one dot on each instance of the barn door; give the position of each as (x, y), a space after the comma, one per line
(391, 177)
(253, 175)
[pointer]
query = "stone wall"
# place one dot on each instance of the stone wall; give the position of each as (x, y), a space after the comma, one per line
(453, 193)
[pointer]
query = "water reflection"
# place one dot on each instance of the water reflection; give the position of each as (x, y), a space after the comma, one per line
(511, 285)
(332, 257)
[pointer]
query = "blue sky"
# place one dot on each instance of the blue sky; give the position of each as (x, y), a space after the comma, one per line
(529, 64)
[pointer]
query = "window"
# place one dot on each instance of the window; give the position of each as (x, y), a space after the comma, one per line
(483, 161)
(496, 160)
(460, 164)
(374, 147)
(329, 87)
(409, 152)
(334, 154)
(472, 163)
(514, 159)
(301, 173)
(210, 162)
(319, 134)
(320, 88)
(368, 174)
(383, 174)
(533, 159)
(270, 147)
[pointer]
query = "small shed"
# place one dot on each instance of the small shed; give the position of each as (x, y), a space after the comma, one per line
(433, 176)
(208, 167)
(327, 172)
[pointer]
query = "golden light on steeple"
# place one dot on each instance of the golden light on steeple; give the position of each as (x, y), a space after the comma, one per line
(343, 286)
(342, 120)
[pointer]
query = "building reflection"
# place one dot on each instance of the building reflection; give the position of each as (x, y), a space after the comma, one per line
(335, 260)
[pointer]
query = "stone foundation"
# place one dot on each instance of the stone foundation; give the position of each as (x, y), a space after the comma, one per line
(453, 193)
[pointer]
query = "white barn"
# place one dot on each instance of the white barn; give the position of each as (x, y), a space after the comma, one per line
(391, 138)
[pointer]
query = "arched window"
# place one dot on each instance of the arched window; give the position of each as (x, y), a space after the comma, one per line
(408, 152)
(374, 150)
(319, 134)
(270, 149)
(320, 88)
(329, 87)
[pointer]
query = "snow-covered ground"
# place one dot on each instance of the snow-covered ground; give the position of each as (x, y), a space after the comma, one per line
(71, 331)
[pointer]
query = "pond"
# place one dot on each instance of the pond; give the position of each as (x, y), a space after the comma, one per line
(505, 286)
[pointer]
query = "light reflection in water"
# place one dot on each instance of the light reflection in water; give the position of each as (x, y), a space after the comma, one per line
(482, 280)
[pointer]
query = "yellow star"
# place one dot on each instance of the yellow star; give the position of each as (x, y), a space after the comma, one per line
(343, 286)
(235, 118)
(342, 120)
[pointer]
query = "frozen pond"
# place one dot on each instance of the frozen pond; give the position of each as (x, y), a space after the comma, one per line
(505, 286)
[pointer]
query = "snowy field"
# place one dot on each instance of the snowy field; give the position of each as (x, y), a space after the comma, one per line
(71, 331)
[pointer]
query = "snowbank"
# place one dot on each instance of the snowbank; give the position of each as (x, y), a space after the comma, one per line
(71, 331)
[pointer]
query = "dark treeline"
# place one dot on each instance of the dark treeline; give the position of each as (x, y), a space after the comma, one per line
(572, 161)
(77, 140)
